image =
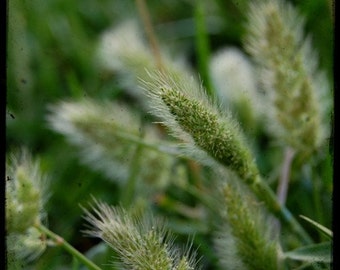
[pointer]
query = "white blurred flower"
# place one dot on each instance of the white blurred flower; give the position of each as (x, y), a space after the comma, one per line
(121, 43)
(122, 50)
(233, 75)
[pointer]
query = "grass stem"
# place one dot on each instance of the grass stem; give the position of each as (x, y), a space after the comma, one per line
(145, 16)
(263, 191)
(59, 241)
(202, 47)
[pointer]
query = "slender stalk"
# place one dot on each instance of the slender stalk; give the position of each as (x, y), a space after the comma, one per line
(282, 189)
(263, 191)
(145, 16)
(331, 6)
(75, 263)
(62, 243)
(202, 47)
(317, 190)
(129, 190)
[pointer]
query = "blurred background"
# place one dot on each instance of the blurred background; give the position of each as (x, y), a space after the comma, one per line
(51, 50)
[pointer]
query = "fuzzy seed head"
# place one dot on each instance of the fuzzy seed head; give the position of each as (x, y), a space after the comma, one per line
(190, 116)
(244, 242)
(27, 246)
(140, 243)
(25, 199)
(298, 94)
(25, 192)
(107, 134)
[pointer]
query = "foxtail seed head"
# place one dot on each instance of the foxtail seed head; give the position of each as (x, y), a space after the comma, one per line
(107, 134)
(25, 198)
(190, 116)
(298, 92)
(140, 243)
(244, 242)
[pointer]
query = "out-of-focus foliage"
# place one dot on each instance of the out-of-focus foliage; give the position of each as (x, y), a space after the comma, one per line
(52, 55)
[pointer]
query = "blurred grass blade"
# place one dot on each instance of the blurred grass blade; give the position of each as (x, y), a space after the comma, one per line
(319, 227)
(312, 253)
(203, 47)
